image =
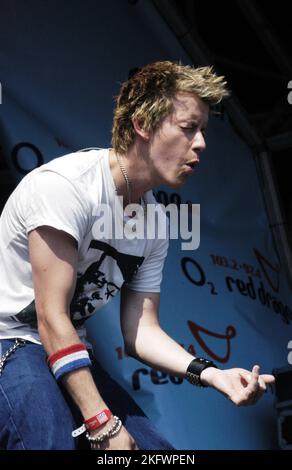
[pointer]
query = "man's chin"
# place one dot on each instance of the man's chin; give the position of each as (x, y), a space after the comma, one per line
(178, 183)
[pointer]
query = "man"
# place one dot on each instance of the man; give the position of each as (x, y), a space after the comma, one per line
(57, 271)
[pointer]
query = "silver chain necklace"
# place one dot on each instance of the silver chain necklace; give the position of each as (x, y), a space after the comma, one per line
(126, 178)
(128, 183)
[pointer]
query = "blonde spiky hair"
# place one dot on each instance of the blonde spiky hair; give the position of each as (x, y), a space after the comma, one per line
(148, 96)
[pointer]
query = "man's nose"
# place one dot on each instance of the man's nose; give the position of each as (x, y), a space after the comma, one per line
(199, 143)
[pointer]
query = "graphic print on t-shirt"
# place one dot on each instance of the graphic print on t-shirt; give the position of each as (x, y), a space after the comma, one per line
(93, 285)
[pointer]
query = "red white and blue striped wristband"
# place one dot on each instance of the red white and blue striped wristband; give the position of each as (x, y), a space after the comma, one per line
(68, 359)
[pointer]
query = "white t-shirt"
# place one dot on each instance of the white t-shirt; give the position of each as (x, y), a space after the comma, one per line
(65, 194)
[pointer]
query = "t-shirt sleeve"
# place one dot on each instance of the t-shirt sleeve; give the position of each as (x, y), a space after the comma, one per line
(149, 276)
(56, 202)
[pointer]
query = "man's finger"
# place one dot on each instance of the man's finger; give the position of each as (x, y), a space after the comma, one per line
(262, 384)
(253, 385)
(255, 373)
(268, 378)
(250, 376)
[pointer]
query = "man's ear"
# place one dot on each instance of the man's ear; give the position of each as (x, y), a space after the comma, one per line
(138, 127)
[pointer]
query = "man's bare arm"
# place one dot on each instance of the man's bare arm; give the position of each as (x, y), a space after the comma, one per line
(53, 256)
(144, 338)
(146, 341)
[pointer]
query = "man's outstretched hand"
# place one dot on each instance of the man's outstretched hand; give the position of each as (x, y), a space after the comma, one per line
(240, 386)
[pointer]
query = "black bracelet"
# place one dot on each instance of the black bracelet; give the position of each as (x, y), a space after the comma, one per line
(196, 367)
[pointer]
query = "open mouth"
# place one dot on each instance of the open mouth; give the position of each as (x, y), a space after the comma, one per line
(191, 165)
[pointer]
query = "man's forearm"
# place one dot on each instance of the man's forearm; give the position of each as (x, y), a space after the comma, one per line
(60, 334)
(154, 347)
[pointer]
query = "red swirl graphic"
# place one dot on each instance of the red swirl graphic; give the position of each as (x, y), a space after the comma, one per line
(229, 334)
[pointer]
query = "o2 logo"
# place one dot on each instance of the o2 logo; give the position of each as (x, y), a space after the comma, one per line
(289, 357)
(197, 277)
(35, 156)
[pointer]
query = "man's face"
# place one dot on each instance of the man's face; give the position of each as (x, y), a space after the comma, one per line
(175, 146)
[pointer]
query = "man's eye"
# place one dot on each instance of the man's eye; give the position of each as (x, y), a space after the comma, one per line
(193, 128)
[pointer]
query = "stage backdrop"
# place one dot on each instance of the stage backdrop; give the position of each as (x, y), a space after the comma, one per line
(61, 65)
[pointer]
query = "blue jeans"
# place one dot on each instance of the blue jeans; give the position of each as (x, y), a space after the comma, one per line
(36, 412)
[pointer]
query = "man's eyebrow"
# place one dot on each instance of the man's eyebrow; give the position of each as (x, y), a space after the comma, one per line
(194, 117)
